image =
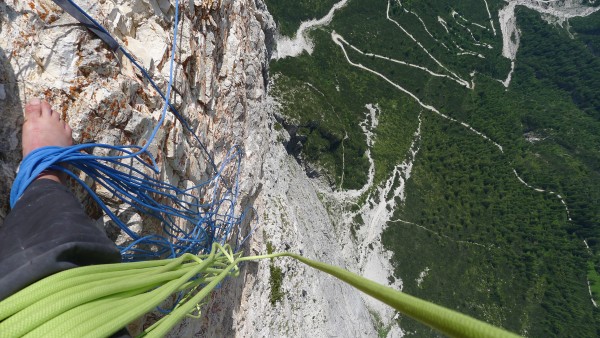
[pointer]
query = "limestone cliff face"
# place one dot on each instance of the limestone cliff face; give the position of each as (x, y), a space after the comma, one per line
(220, 87)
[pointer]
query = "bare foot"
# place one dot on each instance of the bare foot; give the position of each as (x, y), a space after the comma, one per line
(42, 128)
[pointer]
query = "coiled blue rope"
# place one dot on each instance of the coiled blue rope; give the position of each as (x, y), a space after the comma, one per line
(190, 224)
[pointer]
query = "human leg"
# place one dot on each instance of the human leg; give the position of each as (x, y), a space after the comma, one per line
(47, 231)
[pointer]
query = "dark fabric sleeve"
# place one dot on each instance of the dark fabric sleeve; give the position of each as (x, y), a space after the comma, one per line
(46, 232)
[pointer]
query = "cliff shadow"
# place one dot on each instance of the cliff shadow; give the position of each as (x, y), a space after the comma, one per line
(11, 117)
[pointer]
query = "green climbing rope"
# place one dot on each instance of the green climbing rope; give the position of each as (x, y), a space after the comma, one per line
(97, 301)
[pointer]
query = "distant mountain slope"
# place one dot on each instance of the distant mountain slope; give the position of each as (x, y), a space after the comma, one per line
(470, 132)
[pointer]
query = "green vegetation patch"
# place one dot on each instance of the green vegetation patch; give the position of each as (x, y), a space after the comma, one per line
(275, 279)
(493, 248)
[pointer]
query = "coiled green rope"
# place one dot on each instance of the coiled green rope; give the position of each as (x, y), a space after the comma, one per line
(97, 301)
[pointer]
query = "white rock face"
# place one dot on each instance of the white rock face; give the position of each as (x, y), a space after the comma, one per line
(553, 11)
(220, 87)
(559, 10)
(294, 219)
(292, 47)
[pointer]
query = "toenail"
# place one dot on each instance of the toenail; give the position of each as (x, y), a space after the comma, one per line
(35, 101)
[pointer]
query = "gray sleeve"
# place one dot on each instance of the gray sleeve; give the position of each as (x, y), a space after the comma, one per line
(46, 232)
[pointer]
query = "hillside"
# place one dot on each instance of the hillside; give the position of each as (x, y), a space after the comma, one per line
(468, 132)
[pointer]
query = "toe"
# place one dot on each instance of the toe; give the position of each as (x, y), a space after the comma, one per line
(55, 115)
(68, 128)
(46, 109)
(33, 108)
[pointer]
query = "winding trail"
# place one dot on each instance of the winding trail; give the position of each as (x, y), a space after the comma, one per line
(475, 42)
(487, 8)
(445, 26)
(425, 69)
(462, 51)
(591, 294)
(508, 50)
(441, 235)
(368, 126)
(550, 192)
(338, 40)
(588, 281)
(425, 27)
(387, 14)
(455, 13)
(443, 23)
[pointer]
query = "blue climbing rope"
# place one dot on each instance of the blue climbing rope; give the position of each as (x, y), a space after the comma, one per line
(191, 219)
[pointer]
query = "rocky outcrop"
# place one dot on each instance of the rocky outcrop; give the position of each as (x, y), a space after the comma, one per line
(220, 87)
(294, 218)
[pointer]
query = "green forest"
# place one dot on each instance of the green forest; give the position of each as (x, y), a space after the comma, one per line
(493, 247)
